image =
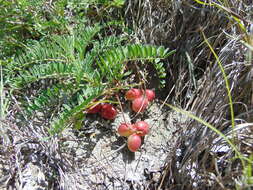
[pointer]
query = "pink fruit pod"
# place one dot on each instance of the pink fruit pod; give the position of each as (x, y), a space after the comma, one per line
(95, 109)
(142, 128)
(125, 129)
(134, 142)
(140, 104)
(133, 94)
(150, 94)
(108, 111)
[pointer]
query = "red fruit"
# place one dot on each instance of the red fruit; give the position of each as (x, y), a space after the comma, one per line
(150, 94)
(125, 129)
(134, 142)
(140, 104)
(133, 94)
(108, 112)
(142, 128)
(95, 109)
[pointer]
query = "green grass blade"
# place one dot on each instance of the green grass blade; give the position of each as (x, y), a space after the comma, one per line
(226, 81)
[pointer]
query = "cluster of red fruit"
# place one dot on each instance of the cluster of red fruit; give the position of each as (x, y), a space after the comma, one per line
(107, 111)
(134, 132)
(140, 100)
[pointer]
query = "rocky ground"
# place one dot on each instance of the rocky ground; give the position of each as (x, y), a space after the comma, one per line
(100, 158)
(108, 163)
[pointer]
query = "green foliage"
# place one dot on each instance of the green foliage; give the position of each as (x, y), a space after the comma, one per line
(25, 20)
(110, 68)
(28, 19)
(160, 69)
(66, 72)
(248, 173)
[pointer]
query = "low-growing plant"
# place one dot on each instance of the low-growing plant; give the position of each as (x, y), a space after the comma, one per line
(67, 72)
